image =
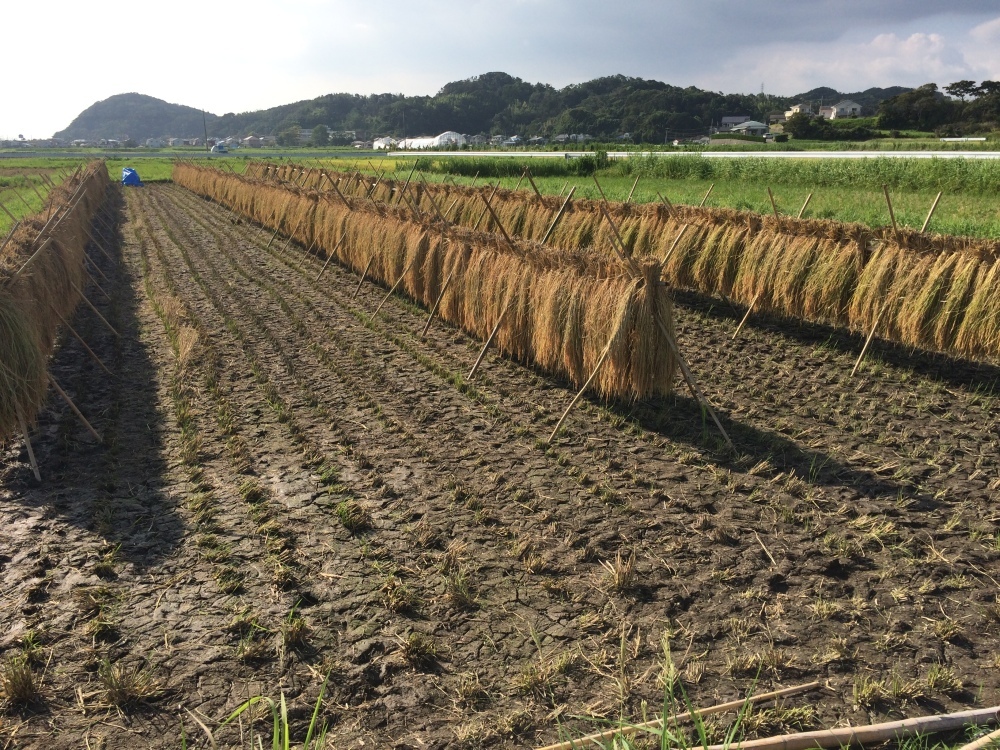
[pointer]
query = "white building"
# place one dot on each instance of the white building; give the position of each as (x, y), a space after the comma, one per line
(796, 109)
(449, 138)
(386, 143)
(840, 110)
(750, 127)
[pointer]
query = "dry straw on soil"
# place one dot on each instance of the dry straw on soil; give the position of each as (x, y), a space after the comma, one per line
(929, 291)
(32, 302)
(559, 308)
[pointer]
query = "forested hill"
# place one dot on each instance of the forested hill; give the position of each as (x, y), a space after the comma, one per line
(491, 103)
(135, 116)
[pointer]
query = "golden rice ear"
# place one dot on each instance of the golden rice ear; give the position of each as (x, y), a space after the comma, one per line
(33, 301)
(553, 304)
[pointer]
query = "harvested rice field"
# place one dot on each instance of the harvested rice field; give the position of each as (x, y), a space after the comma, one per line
(296, 495)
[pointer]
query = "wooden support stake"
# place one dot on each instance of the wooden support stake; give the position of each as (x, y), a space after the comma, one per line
(689, 379)
(10, 234)
(332, 254)
(405, 184)
(12, 217)
(483, 214)
(930, 213)
(599, 739)
(398, 282)
(96, 311)
(99, 245)
(27, 444)
(673, 245)
(803, 209)
(532, 181)
(745, 317)
(630, 192)
(563, 188)
(703, 200)
(489, 340)
(337, 190)
(497, 219)
(597, 369)
(94, 282)
(983, 742)
(871, 335)
(29, 261)
(521, 179)
(297, 228)
(433, 202)
(76, 411)
(21, 198)
(82, 342)
(363, 275)
(437, 302)
(669, 205)
(558, 216)
(892, 214)
(600, 190)
(774, 206)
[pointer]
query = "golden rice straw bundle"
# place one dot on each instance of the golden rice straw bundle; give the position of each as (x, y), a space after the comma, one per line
(39, 278)
(556, 302)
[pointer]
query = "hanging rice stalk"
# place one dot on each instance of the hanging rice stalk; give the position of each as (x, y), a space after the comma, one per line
(554, 303)
(936, 289)
(39, 277)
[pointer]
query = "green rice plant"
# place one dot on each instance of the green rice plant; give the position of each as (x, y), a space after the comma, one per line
(17, 681)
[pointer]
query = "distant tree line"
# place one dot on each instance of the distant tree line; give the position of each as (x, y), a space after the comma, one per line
(970, 108)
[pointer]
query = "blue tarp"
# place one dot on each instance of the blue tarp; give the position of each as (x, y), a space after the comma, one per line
(130, 177)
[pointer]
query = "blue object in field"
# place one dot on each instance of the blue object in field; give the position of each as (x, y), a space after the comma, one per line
(130, 177)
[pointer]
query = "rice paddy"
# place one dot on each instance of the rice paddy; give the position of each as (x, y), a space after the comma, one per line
(308, 518)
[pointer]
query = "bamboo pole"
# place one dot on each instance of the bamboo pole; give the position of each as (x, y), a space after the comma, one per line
(337, 190)
(94, 282)
(892, 214)
(563, 188)
(27, 444)
(521, 179)
(600, 189)
(82, 342)
(363, 275)
(99, 245)
(96, 311)
(476, 225)
(597, 368)
(273, 236)
(871, 335)
(630, 192)
(489, 340)
(868, 735)
(398, 282)
(774, 206)
(806, 203)
(673, 245)
(297, 228)
(29, 261)
(983, 742)
(433, 202)
(532, 181)
(21, 198)
(76, 411)
(497, 219)
(9, 235)
(407, 180)
(703, 200)
(629, 730)
(930, 213)
(558, 216)
(12, 217)
(745, 317)
(668, 204)
(330, 256)
(437, 302)
(689, 379)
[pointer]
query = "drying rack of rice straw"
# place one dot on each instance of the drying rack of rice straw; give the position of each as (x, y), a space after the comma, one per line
(604, 322)
(43, 274)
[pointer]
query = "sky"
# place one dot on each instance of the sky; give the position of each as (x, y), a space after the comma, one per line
(238, 57)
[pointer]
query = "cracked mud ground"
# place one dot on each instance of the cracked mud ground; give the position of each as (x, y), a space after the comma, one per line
(289, 488)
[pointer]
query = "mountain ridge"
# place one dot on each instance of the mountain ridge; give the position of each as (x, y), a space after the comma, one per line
(651, 111)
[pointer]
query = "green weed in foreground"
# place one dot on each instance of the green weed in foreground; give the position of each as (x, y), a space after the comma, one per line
(281, 731)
